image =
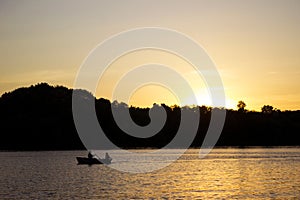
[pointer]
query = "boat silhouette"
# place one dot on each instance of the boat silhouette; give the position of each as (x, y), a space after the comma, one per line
(93, 159)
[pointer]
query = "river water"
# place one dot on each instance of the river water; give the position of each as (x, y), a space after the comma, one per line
(255, 173)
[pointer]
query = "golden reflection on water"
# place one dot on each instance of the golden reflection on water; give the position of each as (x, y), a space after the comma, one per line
(224, 174)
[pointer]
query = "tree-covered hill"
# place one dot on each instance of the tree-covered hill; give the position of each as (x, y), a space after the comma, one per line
(40, 118)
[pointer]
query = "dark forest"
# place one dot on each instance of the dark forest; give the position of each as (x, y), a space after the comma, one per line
(40, 118)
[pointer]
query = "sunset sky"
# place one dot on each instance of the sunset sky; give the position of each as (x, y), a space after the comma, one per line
(255, 44)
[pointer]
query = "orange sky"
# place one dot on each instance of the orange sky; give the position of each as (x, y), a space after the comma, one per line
(254, 44)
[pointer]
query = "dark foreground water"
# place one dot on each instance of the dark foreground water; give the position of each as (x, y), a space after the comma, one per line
(225, 173)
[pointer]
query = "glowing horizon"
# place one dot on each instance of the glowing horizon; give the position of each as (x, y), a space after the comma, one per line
(255, 46)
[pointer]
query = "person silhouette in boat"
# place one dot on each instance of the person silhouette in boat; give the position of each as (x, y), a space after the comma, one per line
(90, 155)
(107, 157)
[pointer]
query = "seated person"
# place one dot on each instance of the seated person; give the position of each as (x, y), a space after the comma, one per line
(107, 157)
(90, 155)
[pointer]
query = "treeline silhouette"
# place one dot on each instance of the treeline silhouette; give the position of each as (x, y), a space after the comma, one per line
(40, 118)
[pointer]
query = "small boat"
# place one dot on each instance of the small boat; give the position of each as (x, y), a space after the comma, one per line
(93, 160)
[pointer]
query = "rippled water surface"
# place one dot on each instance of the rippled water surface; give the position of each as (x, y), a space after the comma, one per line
(225, 173)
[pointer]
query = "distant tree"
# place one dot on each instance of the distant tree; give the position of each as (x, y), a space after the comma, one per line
(175, 107)
(267, 109)
(241, 106)
(277, 110)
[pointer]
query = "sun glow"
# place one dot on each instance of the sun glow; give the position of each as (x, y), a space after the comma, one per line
(151, 93)
(256, 53)
(143, 96)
